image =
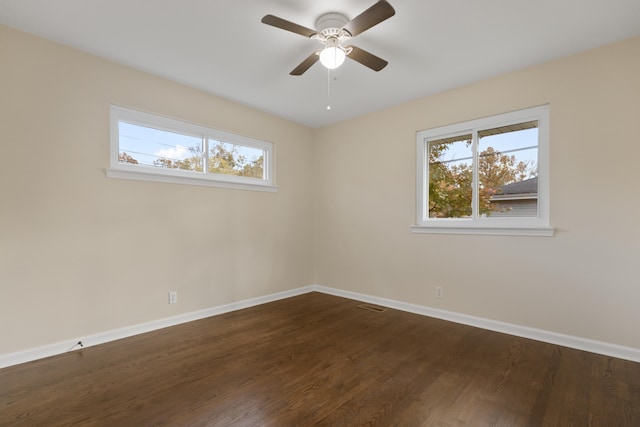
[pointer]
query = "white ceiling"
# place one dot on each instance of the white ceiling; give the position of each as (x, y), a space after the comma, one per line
(221, 47)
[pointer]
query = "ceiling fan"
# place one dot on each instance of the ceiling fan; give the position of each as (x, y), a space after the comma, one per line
(333, 30)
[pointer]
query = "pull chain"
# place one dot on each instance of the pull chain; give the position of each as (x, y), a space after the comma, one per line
(328, 89)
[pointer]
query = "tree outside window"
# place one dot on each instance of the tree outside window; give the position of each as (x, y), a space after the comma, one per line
(505, 156)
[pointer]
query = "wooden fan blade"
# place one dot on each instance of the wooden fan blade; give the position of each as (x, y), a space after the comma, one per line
(373, 16)
(367, 59)
(305, 65)
(274, 21)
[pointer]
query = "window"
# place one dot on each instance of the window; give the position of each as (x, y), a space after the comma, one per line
(154, 148)
(486, 176)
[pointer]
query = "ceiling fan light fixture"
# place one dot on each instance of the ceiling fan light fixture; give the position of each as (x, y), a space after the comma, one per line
(332, 57)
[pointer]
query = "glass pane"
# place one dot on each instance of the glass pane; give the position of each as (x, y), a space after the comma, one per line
(152, 147)
(508, 171)
(450, 177)
(233, 159)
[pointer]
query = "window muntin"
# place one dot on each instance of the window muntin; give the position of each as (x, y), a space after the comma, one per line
(487, 175)
(150, 147)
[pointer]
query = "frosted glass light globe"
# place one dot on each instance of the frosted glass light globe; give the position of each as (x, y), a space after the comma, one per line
(332, 57)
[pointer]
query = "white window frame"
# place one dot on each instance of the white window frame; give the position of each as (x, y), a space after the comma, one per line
(176, 176)
(518, 226)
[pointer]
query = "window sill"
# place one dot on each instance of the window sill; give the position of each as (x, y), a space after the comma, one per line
(487, 231)
(188, 180)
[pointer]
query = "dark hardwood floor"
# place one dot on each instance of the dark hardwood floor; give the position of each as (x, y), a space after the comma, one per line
(317, 359)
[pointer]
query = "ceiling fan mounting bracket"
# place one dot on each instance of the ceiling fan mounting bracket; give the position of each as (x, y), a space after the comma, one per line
(331, 20)
(329, 25)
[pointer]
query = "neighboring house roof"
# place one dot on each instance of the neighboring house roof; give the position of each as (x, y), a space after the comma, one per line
(527, 186)
(527, 189)
(518, 199)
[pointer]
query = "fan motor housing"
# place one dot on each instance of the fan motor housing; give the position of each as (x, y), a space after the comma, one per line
(331, 20)
(329, 25)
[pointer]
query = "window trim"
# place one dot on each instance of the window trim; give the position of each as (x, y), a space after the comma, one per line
(176, 176)
(517, 226)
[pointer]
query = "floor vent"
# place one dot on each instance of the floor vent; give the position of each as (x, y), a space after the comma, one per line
(372, 308)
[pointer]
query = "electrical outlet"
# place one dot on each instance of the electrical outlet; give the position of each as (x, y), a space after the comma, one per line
(173, 297)
(438, 291)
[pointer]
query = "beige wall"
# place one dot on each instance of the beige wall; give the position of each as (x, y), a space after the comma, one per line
(82, 254)
(582, 282)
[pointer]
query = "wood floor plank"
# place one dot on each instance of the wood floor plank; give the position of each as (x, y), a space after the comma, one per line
(317, 359)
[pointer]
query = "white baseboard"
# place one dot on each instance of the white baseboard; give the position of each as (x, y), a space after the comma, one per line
(104, 337)
(599, 347)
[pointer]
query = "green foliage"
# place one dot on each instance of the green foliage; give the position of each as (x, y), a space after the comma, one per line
(227, 160)
(450, 190)
(223, 159)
